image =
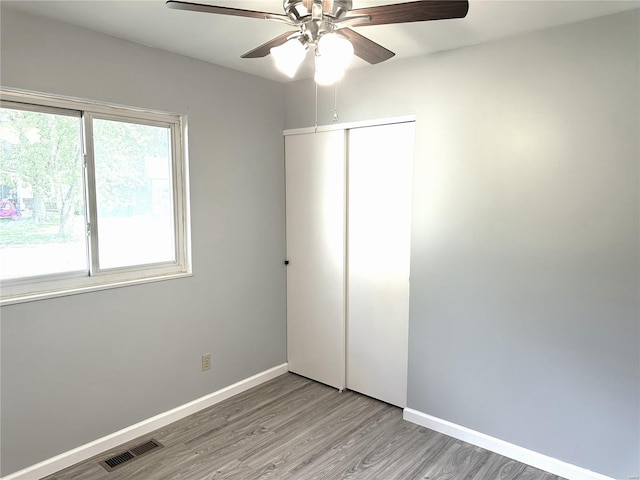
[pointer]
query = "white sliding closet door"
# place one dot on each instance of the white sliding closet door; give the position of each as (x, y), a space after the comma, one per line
(315, 189)
(379, 229)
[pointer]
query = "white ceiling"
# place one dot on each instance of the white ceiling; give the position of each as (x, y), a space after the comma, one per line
(222, 39)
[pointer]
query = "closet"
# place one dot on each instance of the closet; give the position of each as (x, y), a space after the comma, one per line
(348, 214)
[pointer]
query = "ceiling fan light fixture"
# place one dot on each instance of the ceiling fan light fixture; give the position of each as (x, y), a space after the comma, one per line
(289, 56)
(327, 71)
(336, 48)
(326, 25)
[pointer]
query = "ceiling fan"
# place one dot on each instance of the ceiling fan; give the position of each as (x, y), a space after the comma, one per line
(326, 26)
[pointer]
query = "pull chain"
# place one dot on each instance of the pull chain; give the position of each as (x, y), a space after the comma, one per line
(335, 102)
(316, 127)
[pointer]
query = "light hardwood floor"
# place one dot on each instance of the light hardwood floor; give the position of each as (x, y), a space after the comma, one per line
(296, 429)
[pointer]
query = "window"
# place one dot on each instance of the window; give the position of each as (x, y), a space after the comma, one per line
(91, 196)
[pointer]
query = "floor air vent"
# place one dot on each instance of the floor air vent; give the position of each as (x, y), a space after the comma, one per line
(120, 459)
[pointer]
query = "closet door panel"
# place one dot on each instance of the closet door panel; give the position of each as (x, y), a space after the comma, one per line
(379, 225)
(315, 216)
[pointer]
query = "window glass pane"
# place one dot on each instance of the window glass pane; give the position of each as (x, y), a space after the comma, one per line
(133, 193)
(42, 220)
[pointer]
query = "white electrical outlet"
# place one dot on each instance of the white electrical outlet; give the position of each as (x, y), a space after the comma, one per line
(206, 361)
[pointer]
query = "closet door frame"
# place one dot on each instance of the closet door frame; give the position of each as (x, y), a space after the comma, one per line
(339, 378)
(350, 125)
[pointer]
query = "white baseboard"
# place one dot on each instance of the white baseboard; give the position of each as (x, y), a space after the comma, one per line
(84, 452)
(529, 457)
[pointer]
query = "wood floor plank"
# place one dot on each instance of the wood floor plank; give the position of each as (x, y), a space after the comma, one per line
(346, 452)
(461, 461)
(406, 455)
(429, 454)
(532, 473)
(292, 428)
(500, 468)
(304, 446)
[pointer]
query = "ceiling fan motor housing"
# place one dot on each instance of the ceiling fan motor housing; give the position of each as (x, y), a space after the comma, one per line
(300, 10)
(317, 19)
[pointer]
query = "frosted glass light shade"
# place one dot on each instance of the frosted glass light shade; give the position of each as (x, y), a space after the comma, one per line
(289, 56)
(336, 48)
(327, 71)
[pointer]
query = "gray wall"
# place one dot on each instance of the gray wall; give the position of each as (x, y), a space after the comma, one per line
(524, 308)
(80, 367)
(524, 320)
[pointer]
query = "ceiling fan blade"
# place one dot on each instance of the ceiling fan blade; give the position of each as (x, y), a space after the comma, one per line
(366, 49)
(265, 49)
(327, 6)
(417, 11)
(238, 12)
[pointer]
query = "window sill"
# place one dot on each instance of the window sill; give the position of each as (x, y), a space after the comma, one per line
(32, 297)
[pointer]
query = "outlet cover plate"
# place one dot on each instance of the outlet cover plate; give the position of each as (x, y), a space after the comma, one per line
(206, 361)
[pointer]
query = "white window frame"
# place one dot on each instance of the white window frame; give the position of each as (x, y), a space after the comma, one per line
(54, 285)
